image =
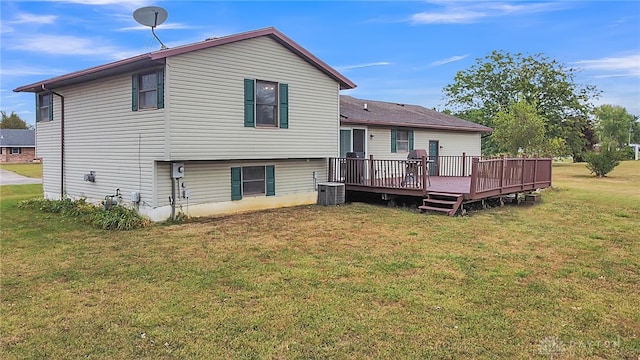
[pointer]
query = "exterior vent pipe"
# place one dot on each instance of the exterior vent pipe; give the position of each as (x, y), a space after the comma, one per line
(62, 189)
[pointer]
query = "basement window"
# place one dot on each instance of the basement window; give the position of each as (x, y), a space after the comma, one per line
(252, 181)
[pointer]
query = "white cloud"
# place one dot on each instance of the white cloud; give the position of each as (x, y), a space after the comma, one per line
(448, 60)
(24, 18)
(359, 66)
(616, 66)
(468, 12)
(66, 45)
(448, 17)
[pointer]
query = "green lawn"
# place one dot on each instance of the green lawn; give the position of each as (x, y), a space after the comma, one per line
(33, 170)
(555, 280)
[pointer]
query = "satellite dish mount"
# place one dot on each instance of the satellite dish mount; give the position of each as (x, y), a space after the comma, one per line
(151, 16)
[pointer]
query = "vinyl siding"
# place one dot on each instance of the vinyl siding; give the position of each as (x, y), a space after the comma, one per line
(210, 181)
(453, 143)
(48, 148)
(206, 93)
(102, 134)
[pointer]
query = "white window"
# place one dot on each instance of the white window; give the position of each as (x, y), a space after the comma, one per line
(266, 103)
(402, 141)
(148, 93)
(253, 180)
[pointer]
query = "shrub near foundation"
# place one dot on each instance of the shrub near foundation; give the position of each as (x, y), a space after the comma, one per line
(114, 218)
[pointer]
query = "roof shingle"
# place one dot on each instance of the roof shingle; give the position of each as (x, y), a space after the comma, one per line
(352, 111)
(17, 138)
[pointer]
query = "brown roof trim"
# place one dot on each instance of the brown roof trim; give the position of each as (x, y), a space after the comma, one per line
(412, 125)
(90, 73)
(158, 57)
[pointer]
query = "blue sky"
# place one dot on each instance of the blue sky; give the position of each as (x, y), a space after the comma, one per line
(394, 51)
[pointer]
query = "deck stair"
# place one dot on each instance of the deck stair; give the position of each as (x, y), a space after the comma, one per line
(448, 203)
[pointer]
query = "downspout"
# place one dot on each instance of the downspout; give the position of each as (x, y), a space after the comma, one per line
(62, 190)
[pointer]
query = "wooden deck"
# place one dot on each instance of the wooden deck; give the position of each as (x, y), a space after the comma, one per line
(462, 179)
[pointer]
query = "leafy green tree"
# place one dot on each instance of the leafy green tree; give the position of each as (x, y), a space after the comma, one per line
(614, 126)
(500, 79)
(635, 131)
(520, 129)
(12, 121)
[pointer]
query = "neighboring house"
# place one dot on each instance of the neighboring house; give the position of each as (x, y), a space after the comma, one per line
(390, 130)
(17, 146)
(228, 124)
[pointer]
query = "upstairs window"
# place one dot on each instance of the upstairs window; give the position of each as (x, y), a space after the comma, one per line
(266, 104)
(147, 91)
(44, 107)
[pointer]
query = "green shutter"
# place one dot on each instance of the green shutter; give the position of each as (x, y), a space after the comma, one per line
(134, 93)
(38, 107)
(284, 106)
(394, 139)
(410, 140)
(271, 180)
(50, 107)
(160, 89)
(249, 103)
(236, 183)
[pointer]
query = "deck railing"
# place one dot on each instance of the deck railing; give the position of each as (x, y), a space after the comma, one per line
(487, 176)
(406, 174)
(509, 175)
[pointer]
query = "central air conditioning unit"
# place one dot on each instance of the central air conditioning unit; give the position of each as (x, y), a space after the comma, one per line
(331, 193)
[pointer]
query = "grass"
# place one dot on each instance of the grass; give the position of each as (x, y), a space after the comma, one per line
(556, 280)
(33, 170)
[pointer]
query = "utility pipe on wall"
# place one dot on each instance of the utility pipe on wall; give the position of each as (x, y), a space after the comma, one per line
(62, 189)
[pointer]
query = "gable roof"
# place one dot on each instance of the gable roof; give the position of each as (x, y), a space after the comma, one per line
(158, 58)
(352, 111)
(17, 138)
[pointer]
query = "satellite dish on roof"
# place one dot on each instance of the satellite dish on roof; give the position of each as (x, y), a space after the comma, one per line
(151, 16)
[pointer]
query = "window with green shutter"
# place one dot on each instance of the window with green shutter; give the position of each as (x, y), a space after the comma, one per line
(44, 107)
(266, 104)
(252, 181)
(147, 91)
(401, 140)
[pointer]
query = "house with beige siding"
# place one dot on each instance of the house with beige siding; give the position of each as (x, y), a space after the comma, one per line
(389, 131)
(229, 124)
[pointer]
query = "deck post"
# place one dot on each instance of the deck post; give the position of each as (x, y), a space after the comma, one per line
(372, 175)
(425, 173)
(464, 162)
(474, 176)
(535, 173)
(524, 166)
(330, 170)
(502, 169)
